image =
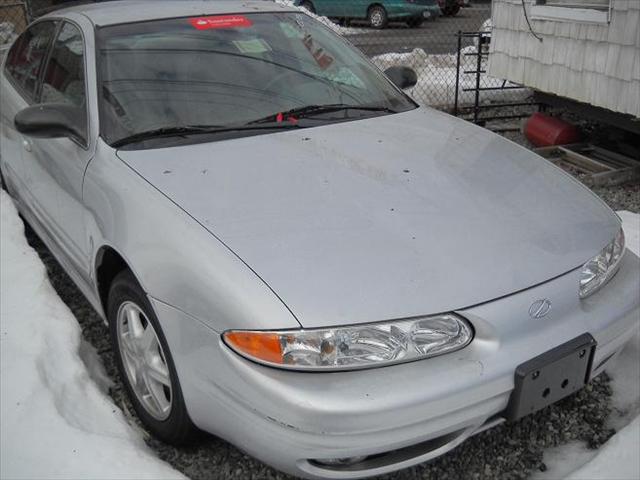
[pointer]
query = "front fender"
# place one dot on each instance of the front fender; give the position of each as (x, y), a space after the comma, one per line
(173, 257)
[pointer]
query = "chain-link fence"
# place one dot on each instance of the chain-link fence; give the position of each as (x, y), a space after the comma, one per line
(13, 19)
(421, 34)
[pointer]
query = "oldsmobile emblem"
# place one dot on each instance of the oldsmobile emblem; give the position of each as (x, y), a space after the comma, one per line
(540, 308)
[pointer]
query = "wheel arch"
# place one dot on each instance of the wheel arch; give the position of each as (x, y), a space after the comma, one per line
(108, 264)
(375, 4)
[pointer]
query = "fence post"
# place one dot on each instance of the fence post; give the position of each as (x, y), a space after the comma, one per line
(476, 109)
(28, 9)
(455, 103)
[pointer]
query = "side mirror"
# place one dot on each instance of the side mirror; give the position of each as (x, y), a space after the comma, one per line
(52, 120)
(402, 77)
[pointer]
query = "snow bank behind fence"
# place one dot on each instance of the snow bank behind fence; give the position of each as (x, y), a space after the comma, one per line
(436, 85)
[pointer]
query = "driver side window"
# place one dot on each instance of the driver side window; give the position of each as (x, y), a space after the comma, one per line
(63, 80)
(24, 61)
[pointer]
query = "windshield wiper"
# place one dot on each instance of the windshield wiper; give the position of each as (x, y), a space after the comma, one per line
(275, 121)
(184, 130)
(308, 110)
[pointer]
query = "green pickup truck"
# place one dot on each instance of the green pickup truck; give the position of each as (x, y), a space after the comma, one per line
(377, 12)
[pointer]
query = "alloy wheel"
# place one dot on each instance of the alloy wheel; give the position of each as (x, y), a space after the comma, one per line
(144, 361)
(377, 18)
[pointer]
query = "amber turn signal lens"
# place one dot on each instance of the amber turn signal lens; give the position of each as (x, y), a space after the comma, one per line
(263, 346)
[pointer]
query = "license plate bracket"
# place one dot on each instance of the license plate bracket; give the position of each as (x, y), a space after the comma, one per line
(549, 377)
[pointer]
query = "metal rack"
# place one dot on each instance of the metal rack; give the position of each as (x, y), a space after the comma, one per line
(474, 111)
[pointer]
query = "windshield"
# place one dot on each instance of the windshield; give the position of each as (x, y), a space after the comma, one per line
(230, 70)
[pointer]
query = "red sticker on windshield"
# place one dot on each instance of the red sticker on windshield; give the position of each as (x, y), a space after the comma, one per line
(221, 21)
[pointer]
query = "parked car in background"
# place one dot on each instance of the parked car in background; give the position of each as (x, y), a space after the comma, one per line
(290, 253)
(377, 12)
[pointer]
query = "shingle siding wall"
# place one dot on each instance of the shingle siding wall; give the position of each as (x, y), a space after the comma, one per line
(593, 63)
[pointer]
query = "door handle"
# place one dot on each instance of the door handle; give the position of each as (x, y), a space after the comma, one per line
(26, 144)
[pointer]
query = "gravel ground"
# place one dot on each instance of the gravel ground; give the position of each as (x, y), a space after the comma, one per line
(622, 197)
(509, 451)
(626, 197)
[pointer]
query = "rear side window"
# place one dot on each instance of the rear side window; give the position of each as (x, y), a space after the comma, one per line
(26, 57)
(63, 80)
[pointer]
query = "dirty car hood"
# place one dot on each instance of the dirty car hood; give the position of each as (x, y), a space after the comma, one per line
(389, 217)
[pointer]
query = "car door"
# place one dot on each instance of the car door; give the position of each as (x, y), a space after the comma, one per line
(331, 8)
(361, 7)
(22, 69)
(351, 8)
(57, 165)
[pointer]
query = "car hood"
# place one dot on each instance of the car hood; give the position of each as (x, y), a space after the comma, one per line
(389, 217)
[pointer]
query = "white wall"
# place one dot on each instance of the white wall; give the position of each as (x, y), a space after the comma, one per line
(596, 63)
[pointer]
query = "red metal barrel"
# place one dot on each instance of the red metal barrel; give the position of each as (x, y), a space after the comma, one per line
(543, 131)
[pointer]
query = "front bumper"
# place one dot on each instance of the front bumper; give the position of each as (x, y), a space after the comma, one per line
(406, 413)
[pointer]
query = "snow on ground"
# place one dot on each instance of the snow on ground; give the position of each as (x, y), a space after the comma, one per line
(56, 422)
(625, 374)
(7, 33)
(618, 458)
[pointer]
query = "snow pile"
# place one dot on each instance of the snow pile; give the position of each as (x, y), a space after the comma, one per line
(436, 85)
(7, 33)
(56, 423)
(625, 375)
(618, 458)
(485, 40)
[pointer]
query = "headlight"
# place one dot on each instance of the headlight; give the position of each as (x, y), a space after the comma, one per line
(360, 346)
(597, 271)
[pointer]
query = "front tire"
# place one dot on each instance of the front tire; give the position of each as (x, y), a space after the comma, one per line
(451, 10)
(145, 363)
(377, 17)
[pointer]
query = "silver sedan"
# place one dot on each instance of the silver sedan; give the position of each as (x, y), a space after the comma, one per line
(289, 252)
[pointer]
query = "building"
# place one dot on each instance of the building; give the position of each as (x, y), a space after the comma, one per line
(587, 51)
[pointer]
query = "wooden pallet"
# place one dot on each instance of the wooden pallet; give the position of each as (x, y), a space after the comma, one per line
(598, 166)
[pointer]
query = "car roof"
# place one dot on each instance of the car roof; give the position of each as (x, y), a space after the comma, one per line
(128, 11)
